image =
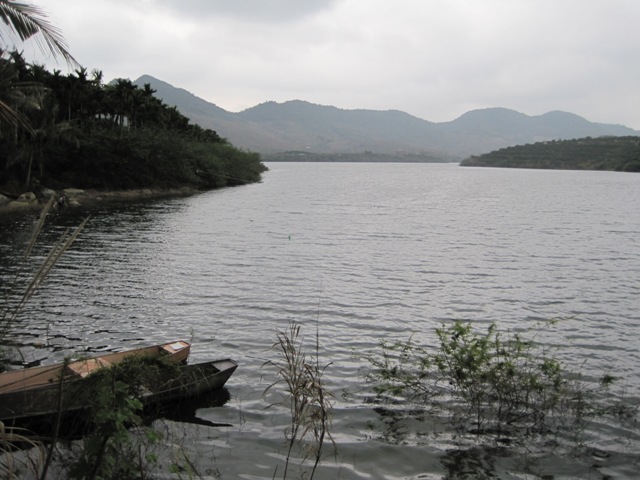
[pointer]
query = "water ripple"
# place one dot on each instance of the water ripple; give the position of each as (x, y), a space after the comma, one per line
(358, 253)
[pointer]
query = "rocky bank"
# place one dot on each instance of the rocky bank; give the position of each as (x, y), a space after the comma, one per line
(76, 197)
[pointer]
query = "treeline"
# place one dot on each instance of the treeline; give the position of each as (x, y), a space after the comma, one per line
(74, 130)
(602, 153)
(363, 157)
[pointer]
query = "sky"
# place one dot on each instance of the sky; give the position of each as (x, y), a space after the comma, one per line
(434, 59)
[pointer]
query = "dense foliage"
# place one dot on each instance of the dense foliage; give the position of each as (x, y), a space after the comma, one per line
(602, 153)
(77, 131)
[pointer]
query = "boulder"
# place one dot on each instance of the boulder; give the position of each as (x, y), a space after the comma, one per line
(28, 198)
(24, 201)
(46, 194)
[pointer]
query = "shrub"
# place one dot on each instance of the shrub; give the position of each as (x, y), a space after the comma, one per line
(490, 382)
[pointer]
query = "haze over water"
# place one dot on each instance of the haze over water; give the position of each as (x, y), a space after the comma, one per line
(364, 252)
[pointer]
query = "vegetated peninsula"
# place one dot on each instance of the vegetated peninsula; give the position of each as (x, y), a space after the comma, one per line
(76, 131)
(602, 153)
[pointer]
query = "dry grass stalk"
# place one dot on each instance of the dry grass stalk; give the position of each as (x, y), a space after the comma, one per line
(309, 402)
(13, 466)
(9, 314)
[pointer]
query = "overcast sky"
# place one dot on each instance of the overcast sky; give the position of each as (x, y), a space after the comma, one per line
(435, 59)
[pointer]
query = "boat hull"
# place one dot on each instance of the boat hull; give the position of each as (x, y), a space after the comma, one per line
(74, 397)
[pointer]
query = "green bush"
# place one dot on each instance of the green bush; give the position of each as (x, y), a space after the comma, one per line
(112, 447)
(490, 382)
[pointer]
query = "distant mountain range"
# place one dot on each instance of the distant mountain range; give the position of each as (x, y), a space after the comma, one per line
(296, 125)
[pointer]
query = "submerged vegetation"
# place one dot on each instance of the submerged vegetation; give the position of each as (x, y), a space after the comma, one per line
(493, 384)
(601, 153)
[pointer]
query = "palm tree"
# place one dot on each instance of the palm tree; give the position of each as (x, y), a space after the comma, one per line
(26, 21)
(10, 96)
(22, 22)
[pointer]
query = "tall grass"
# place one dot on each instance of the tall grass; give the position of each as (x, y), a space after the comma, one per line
(307, 398)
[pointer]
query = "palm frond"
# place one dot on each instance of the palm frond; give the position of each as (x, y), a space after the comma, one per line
(26, 21)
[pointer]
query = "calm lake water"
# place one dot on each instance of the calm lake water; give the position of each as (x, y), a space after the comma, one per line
(363, 252)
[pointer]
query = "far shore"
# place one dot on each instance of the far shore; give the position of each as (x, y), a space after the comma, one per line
(74, 198)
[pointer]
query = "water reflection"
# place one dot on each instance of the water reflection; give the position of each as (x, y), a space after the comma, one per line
(568, 453)
(186, 409)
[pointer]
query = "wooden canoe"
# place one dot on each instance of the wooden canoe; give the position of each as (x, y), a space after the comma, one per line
(73, 397)
(191, 381)
(27, 378)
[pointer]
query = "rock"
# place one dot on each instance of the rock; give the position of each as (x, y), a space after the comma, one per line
(46, 194)
(25, 200)
(28, 198)
(17, 205)
(4, 200)
(73, 192)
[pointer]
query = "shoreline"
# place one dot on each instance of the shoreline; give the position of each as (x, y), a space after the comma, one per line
(75, 198)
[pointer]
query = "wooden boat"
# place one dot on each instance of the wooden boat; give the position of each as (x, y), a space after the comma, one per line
(191, 381)
(72, 397)
(16, 380)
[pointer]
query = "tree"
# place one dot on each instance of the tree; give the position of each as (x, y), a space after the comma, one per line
(21, 22)
(26, 21)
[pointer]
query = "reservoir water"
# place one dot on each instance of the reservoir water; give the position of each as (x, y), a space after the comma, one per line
(362, 253)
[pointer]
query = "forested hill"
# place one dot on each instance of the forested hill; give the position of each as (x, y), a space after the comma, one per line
(75, 131)
(602, 153)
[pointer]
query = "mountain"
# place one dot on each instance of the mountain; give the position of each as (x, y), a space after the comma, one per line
(297, 125)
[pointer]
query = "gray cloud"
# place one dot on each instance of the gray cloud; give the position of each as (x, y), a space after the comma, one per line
(247, 10)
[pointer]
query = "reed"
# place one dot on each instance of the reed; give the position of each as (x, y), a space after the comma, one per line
(12, 465)
(307, 398)
(20, 454)
(10, 311)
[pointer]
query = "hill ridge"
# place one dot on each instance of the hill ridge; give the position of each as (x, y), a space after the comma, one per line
(299, 125)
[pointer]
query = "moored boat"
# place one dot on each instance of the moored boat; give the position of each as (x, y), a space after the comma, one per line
(27, 378)
(45, 402)
(191, 381)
